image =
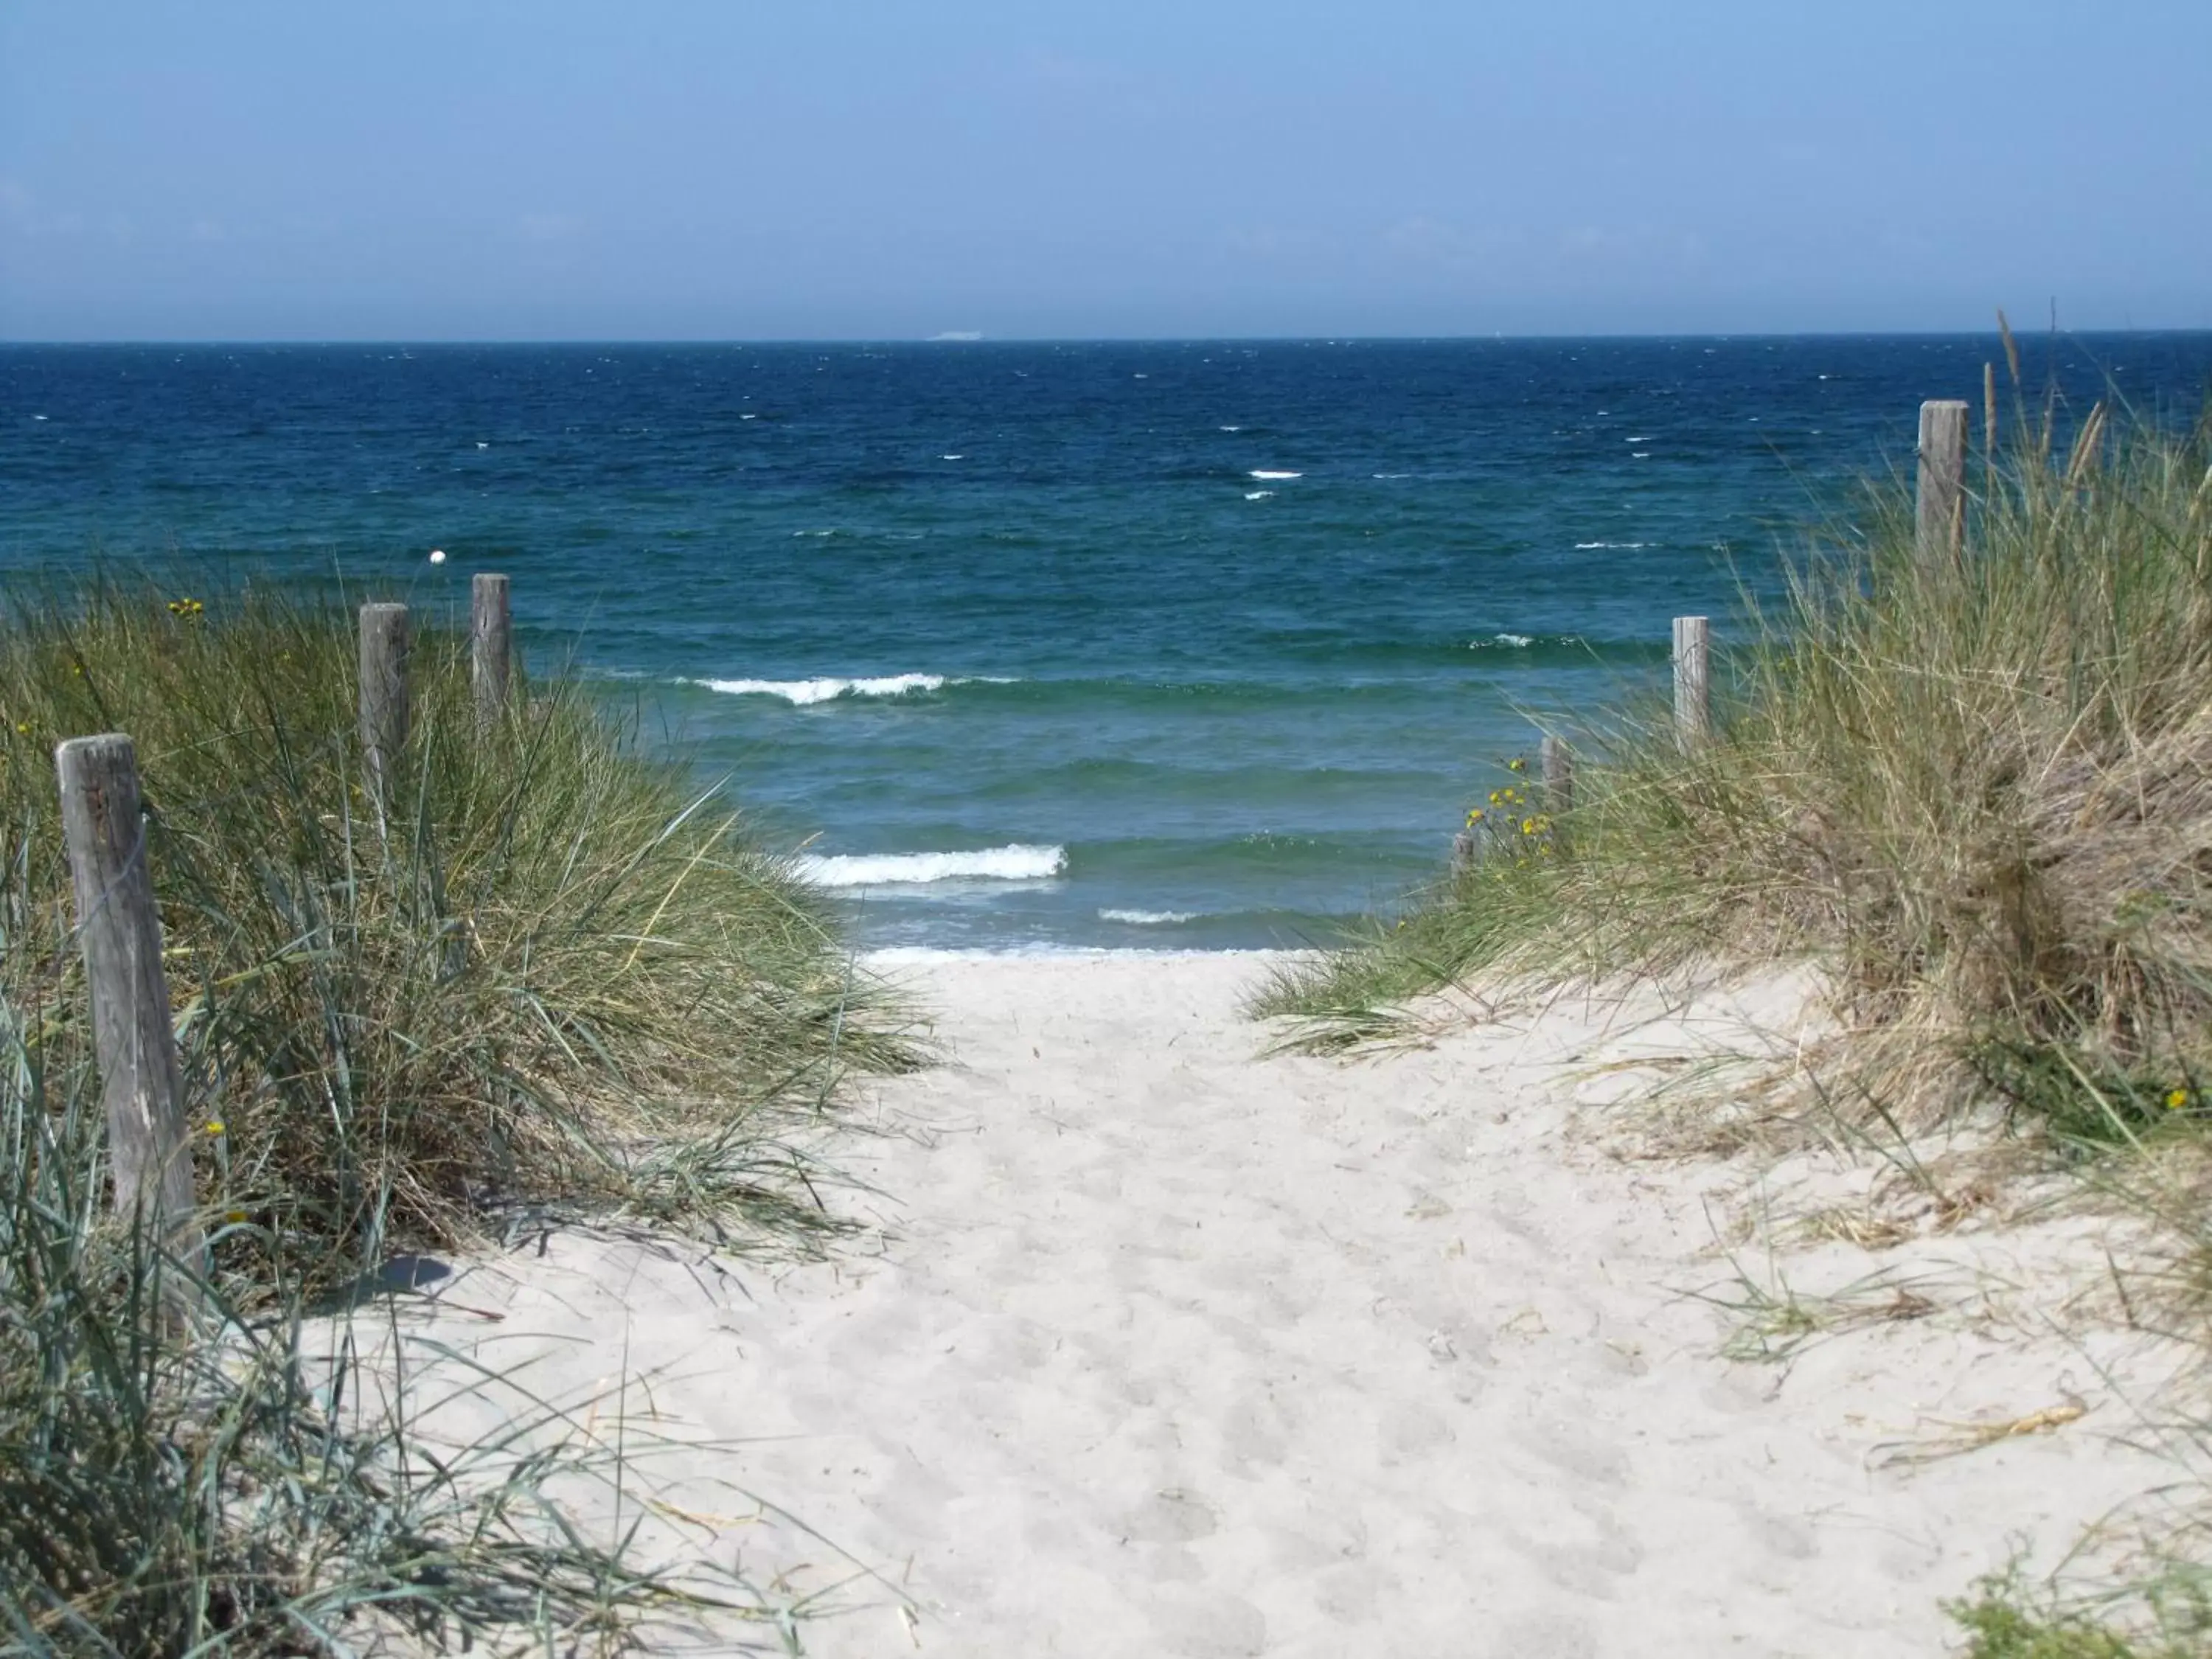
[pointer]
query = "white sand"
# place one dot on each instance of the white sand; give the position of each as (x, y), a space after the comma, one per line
(1154, 1347)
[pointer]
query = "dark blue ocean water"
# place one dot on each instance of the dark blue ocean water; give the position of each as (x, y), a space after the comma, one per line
(1177, 644)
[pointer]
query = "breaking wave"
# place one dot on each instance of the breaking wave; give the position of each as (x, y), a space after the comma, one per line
(1015, 863)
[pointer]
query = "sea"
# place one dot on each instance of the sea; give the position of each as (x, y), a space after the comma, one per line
(1040, 646)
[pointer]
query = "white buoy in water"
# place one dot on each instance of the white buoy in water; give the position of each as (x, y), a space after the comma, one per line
(437, 555)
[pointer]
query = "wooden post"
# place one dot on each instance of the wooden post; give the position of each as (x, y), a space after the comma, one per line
(1559, 765)
(383, 690)
(1692, 679)
(491, 633)
(120, 931)
(1940, 498)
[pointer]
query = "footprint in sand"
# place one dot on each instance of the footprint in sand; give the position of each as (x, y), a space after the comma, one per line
(1196, 1623)
(1171, 1515)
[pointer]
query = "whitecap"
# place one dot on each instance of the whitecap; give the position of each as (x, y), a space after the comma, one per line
(1517, 640)
(1259, 495)
(1266, 474)
(1013, 863)
(748, 418)
(1393, 474)
(1148, 918)
(1639, 454)
(1584, 547)
(481, 444)
(1645, 439)
(951, 458)
(1225, 428)
(822, 690)
(38, 417)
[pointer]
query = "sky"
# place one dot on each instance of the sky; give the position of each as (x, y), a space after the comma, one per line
(737, 169)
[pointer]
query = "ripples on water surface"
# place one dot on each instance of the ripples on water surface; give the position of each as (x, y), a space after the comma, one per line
(1186, 644)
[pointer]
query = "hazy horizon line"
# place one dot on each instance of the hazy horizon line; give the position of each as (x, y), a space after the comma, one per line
(958, 338)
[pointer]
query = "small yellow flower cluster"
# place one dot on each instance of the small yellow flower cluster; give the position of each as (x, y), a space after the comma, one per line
(2177, 1098)
(1511, 823)
(187, 609)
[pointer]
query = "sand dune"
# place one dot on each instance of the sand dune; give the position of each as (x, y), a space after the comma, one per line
(1154, 1347)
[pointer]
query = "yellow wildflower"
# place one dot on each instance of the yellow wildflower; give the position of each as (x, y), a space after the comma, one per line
(234, 1217)
(1473, 816)
(2176, 1099)
(215, 1125)
(1516, 765)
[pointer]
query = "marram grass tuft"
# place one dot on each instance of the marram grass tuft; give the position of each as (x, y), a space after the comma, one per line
(1976, 787)
(536, 972)
(528, 972)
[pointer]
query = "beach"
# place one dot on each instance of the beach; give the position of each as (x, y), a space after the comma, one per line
(1149, 1342)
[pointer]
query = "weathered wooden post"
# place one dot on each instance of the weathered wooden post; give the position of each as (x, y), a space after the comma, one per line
(383, 690)
(1940, 497)
(1694, 705)
(120, 931)
(1559, 764)
(491, 635)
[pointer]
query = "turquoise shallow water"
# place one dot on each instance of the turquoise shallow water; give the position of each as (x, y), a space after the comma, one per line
(1182, 644)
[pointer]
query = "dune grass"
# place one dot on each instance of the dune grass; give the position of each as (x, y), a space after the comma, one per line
(540, 975)
(1978, 789)
(546, 969)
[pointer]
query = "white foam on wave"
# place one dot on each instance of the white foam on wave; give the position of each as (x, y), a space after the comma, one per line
(1517, 640)
(1393, 475)
(1584, 547)
(1148, 918)
(1266, 474)
(803, 692)
(1015, 863)
(828, 689)
(1259, 495)
(1225, 428)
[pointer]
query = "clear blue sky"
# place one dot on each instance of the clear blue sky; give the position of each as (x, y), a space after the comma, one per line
(742, 169)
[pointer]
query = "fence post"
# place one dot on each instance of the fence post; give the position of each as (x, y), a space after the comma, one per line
(1692, 679)
(120, 931)
(1940, 495)
(1559, 764)
(491, 632)
(383, 690)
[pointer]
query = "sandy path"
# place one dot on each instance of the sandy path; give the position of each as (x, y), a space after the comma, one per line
(1166, 1350)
